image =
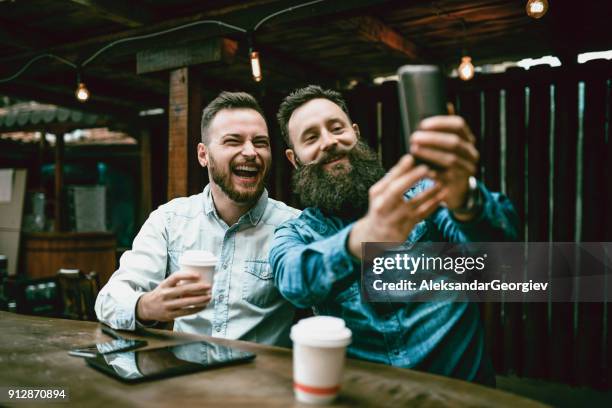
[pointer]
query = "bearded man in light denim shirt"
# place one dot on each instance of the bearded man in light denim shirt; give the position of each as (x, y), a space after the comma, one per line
(233, 218)
(350, 200)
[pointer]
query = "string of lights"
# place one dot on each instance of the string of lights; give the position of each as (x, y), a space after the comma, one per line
(82, 93)
(534, 8)
(32, 61)
(466, 68)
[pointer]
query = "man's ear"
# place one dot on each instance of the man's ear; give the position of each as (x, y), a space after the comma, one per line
(202, 154)
(356, 129)
(291, 157)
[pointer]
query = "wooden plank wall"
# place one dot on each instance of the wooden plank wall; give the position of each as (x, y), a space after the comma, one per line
(554, 162)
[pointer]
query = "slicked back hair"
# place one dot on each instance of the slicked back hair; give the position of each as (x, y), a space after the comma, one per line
(298, 98)
(226, 100)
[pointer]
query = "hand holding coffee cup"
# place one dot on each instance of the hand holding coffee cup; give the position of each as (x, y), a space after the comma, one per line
(183, 293)
(200, 262)
(319, 350)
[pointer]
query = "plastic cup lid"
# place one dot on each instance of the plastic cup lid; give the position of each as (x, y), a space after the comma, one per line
(321, 331)
(198, 258)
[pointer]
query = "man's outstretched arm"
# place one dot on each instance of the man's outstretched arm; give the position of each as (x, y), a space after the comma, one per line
(305, 272)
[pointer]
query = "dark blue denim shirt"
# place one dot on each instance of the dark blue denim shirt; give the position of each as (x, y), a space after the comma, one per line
(312, 268)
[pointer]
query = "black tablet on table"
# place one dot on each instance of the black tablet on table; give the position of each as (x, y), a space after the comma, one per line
(135, 366)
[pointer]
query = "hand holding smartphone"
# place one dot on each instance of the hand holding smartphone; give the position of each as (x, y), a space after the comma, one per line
(422, 94)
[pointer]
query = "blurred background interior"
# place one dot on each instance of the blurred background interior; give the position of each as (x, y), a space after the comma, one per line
(100, 103)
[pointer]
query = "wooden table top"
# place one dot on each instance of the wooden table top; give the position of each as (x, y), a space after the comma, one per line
(33, 353)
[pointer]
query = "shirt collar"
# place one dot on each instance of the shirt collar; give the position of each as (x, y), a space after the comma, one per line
(253, 215)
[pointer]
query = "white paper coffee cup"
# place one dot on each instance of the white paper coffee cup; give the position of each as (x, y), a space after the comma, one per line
(319, 350)
(202, 262)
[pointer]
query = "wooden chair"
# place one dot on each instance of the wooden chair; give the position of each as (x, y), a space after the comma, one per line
(78, 291)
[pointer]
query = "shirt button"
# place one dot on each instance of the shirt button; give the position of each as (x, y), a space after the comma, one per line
(218, 329)
(220, 298)
(224, 266)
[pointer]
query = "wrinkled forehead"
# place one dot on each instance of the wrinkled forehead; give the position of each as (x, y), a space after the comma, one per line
(246, 122)
(316, 112)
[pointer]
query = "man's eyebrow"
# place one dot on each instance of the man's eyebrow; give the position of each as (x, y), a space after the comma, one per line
(307, 130)
(335, 119)
(227, 135)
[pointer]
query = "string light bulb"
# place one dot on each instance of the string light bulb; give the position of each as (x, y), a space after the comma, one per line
(536, 8)
(255, 66)
(254, 57)
(466, 68)
(81, 93)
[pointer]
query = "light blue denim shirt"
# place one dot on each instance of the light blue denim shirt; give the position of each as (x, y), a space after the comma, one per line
(245, 304)
(312, 267)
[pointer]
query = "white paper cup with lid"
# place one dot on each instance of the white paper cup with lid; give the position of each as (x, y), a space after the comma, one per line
(319, 353)
(201, 262)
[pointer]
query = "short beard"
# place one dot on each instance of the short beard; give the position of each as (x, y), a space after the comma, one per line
(339, 192)
(222, 178)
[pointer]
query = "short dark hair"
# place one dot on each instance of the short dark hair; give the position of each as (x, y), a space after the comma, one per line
(301, 96)
(227, 100)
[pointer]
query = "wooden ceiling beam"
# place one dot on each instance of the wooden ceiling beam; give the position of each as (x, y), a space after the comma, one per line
(375, 31)
(211, 51)
(16, 36)
(245, 18)
(129, 14)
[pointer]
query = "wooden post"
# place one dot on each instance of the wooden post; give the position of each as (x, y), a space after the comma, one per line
(185, 175)
(59, 181)
(145, 175)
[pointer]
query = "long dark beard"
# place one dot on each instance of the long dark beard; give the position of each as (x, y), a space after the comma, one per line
(343, 190)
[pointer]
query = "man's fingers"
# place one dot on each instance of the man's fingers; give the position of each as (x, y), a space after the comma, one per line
(396, 189)
(426, 195)
(444, 141)
(428, 207)
(186, 302)
(448, 124)
(444, 159)
(188, 289)
(176, 277)
(400, 168)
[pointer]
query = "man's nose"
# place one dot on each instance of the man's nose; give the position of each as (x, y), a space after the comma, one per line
(248, 150)
(328, 141)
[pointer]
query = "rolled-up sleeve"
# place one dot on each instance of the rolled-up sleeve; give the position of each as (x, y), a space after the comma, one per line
(141, 269)
(305, 273)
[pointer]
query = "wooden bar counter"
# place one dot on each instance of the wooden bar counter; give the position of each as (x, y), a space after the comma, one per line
(33, 353)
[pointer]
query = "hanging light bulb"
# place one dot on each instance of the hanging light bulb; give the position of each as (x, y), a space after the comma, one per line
(82, 93)
(536, 8)
(466, 68)
(255, 66)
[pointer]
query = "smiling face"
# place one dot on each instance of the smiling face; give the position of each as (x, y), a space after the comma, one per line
(333, 169)
(237, 154)
(321, 132)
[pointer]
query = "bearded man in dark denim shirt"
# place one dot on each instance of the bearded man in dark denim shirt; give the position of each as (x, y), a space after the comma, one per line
(349, 200)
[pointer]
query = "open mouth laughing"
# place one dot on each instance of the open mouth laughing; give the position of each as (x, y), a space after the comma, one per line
(247, 172)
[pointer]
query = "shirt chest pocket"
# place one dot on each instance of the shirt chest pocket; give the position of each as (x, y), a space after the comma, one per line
(257, 284)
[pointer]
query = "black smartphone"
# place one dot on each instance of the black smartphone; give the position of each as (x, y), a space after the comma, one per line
(106, 348)
(422, 94)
